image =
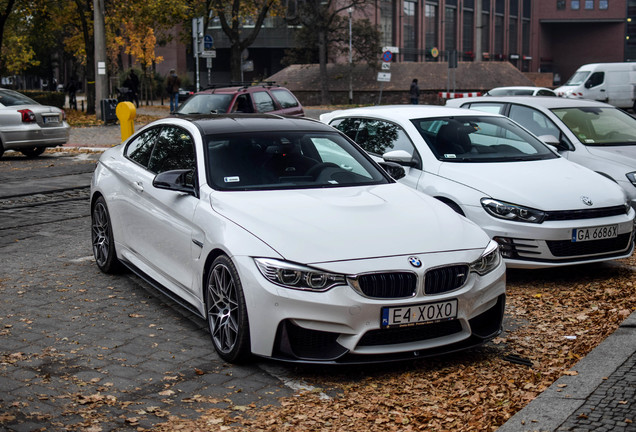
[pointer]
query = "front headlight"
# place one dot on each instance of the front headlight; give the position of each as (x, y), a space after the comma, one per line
(488, 261)
(631, 177)
(504, 210)
(295, 276)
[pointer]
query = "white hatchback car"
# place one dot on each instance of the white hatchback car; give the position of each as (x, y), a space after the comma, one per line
(542, 209)
(594, 134)
(267, 227)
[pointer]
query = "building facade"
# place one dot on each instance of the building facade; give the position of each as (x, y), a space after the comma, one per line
(554, 36)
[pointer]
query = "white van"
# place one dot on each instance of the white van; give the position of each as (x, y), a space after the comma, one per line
(612, 83)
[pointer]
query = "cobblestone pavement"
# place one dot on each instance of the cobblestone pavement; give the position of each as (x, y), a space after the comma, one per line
(79, 348)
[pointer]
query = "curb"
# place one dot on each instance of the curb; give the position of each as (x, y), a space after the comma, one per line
(548, 411)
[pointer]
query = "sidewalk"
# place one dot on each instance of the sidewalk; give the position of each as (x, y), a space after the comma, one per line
(600, 397)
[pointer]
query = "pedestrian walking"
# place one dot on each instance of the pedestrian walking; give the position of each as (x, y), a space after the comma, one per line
(414, 92)
(132, 83)
(71, 88)
(172, 87)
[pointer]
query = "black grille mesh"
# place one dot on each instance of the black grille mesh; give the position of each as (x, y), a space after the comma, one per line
(585, 213)
(565, 248)
(388, 285)
(445, 279)
(410, 334)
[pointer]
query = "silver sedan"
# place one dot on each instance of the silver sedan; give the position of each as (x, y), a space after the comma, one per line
(29, 127)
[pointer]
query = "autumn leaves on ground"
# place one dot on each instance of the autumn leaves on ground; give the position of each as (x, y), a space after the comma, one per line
(558, 316)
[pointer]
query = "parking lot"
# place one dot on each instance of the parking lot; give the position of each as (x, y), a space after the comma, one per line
(86, 351)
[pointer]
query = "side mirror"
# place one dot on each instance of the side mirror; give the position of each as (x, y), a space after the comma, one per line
(588, 84)
(393, 169)
(553, 142)
(175, 180)
(401, 157)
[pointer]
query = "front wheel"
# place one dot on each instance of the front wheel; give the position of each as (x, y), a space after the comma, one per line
(32, 151)
(102, 238)
(227, 312)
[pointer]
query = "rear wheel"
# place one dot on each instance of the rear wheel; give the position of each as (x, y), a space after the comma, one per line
(227, 312)
(102, 238)
(32, 151)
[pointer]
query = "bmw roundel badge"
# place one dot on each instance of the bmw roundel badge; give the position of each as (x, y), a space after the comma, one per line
(415, 261)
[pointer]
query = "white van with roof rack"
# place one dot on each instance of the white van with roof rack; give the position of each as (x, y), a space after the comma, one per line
(612, 83)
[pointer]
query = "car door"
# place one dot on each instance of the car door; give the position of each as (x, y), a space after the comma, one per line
(383, 139)
(158, 222)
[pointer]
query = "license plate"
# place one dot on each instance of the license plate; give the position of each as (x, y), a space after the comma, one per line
(401, 316)
(51, 119)
(595, 233)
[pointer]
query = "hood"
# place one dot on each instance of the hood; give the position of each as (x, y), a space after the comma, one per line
(334, 224)
(555, 184)
(624, 155)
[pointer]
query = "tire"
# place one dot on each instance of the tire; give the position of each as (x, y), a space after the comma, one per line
(1, 150)
(226, 311)
(32, 152)
(102, 239)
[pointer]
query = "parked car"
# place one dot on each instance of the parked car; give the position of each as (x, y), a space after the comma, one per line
(28, 126)
(520, 91)
(184, 94)
(543, 210)
(613, 83)
(267, 226)
(598, 136)
(263, 98)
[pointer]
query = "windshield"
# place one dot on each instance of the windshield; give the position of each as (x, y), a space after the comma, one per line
(577, 79)
(599, 126)
(206, 104)
(13, 98)
(480, 139)
(510, 92)
(286, 160)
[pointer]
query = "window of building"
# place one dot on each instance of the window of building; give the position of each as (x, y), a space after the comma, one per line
(603, 4)
(386, 22)
(589, 4)
(450, 29)
(430, 27)
(499, 37)
(467, 39)
(485, 36)
(410, 27)
(560, 4)
(575, 5)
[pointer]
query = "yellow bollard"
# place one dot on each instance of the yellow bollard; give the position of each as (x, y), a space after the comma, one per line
(126, 113)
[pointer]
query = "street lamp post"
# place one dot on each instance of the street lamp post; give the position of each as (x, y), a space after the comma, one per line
(350, 61)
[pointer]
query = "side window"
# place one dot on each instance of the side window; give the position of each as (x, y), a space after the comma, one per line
(243, 104)
(533, 120)
(379, 137)
(545, 93)
(285, 98)
(348, 126)
(140, 149)
(174, 150)
(263, 102)
(595, 79)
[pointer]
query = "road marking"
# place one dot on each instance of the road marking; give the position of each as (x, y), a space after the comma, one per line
(296, 385)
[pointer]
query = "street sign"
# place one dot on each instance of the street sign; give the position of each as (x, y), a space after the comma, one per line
(208, 42)
(384, 76)
(208, 62)
(386, 66)
(210, 53)
(393, 49)
(387, 56)
(434, 52)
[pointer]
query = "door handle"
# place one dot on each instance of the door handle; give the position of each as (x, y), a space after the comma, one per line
(138, 186)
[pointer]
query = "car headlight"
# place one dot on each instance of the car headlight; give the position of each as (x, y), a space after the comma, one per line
(488, 261)
(631, 177)
(504, 210)
(295, 276)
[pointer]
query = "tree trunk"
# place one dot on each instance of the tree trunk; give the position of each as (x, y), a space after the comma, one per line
(322, 58)
(235, 61)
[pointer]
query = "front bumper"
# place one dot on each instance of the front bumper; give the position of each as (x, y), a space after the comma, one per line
(549, 244)
(342, 326)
